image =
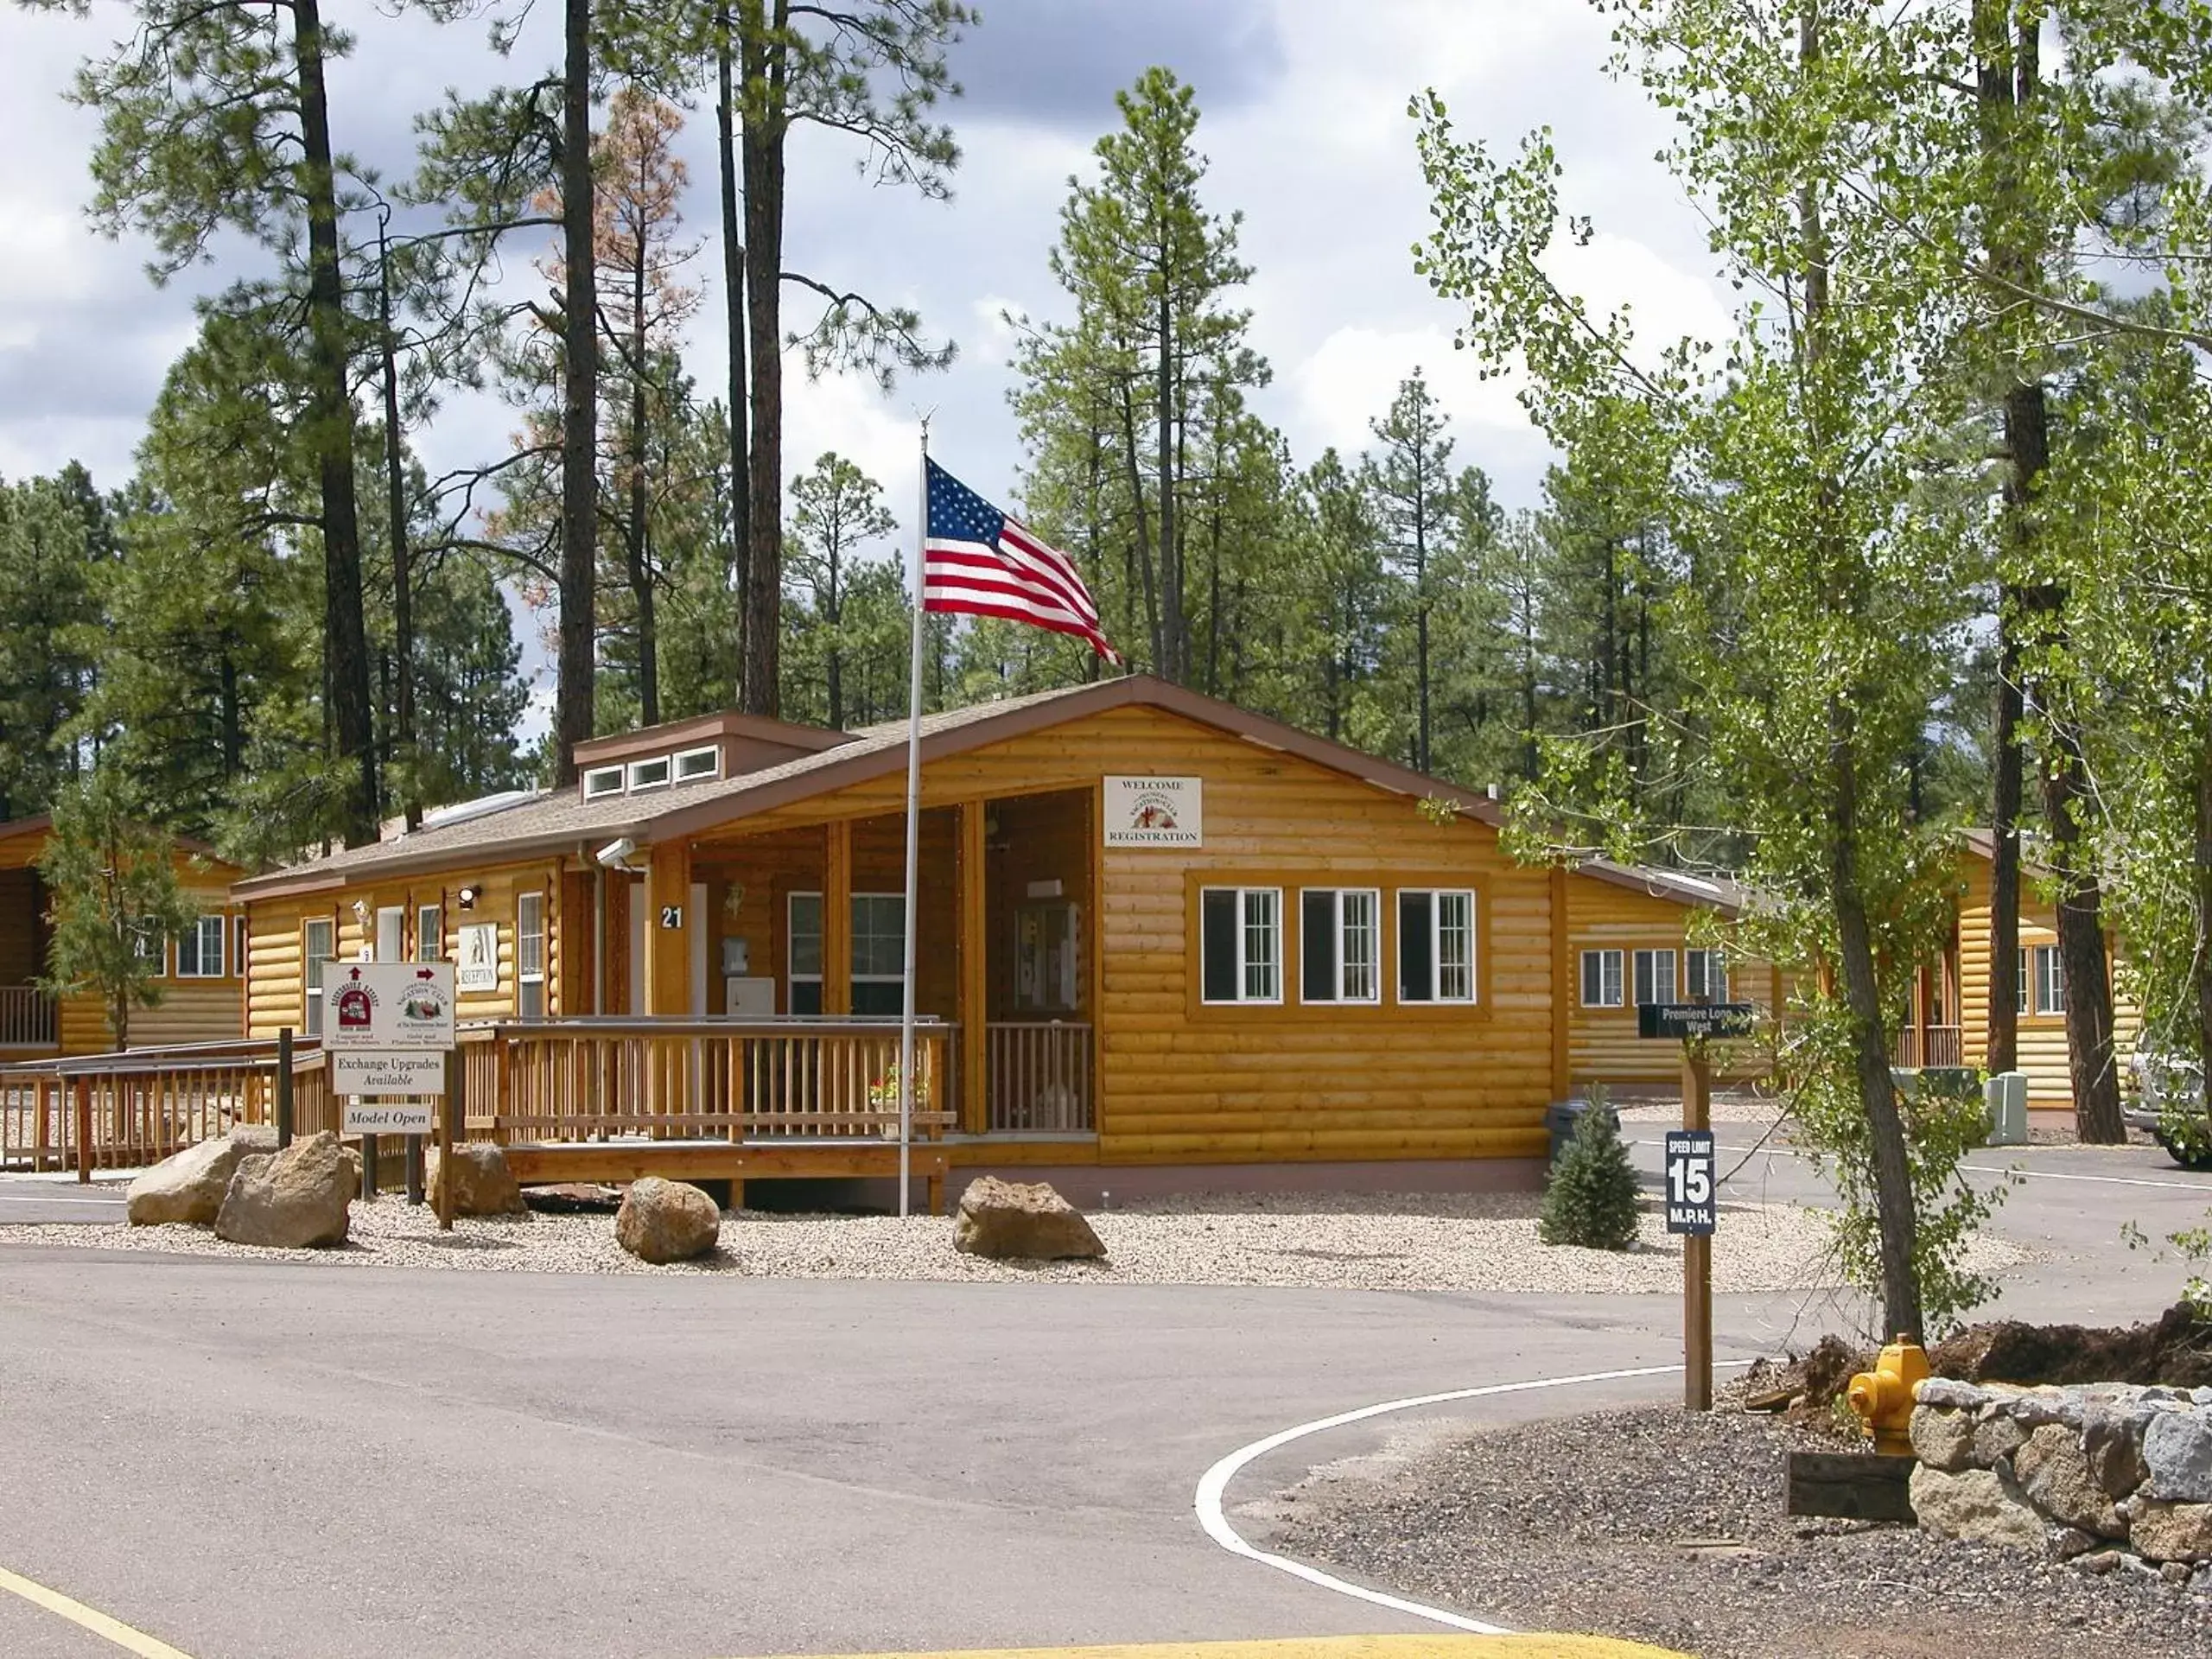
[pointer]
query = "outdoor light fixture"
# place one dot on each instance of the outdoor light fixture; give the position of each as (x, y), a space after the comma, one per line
(467, 896)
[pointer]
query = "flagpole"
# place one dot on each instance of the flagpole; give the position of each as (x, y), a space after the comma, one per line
(913, 836)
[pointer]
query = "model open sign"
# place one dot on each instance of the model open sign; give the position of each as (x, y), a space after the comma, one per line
(1682, 1019)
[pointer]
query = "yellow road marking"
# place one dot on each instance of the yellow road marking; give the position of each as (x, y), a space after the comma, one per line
(91, 1619)
(1322, 1646)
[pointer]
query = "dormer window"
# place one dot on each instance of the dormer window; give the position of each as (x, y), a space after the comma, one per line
(602, 781)
(649, 774)
(694, 763)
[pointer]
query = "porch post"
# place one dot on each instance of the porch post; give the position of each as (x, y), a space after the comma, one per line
(668, 950)
(975, 979)
(837, 918)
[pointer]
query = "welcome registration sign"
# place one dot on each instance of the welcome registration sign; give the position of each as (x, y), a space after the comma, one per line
(1154, 812)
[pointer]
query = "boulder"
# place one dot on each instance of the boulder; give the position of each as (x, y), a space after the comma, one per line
(1944, 1391)
(2054, 1472)
(667, 1221)
(2112, 1436)
(2178, 1454)
(299, 1198)
(1976, 1505)
(481, 1183)
(1021, 1221)
(1943, 1438)
(1996, 1439)
(2172, 1532)
(2070, 1543)
(189, 1186)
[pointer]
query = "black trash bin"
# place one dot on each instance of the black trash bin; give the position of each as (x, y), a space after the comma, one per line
(1560, 1119)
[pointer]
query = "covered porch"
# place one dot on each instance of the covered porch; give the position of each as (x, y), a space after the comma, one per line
(31, 1024)
(793, 933)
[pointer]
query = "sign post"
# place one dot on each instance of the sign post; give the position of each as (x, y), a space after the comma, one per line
(1693, 1196)
(388, 1029)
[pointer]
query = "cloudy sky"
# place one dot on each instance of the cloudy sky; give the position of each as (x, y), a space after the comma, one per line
(1304, 107)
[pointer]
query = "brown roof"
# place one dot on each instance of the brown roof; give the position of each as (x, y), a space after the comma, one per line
(1721, 892)
(563, 820)
(40, 823)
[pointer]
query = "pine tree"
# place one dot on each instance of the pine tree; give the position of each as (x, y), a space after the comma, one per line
(837, 510)
(55, 535)
(1591, 1199)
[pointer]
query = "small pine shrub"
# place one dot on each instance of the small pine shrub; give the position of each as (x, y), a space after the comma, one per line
(1590, 1199)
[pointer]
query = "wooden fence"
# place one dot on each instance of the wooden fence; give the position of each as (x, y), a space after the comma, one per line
(28, 1018)
(1039, 1077)
(120, 1111)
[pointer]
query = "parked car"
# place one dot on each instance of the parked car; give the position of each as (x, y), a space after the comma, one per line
(2168, 1104)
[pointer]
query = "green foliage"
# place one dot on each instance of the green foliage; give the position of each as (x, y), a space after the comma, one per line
(1592, 1197)
(116, 902)
(55, 533)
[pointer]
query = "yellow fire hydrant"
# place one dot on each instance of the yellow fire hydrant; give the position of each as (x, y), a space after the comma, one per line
(1884, 1396)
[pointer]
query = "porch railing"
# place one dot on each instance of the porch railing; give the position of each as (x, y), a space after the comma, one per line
(28, 1019)
(599, 1079)
(1039, 1077)
(1925, 1046)
(118, 1111)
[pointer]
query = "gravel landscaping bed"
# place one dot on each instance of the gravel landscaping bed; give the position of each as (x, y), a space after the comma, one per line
(1407, 1241)
(1654, 1525)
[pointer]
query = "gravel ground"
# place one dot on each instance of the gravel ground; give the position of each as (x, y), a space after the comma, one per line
(1463, 1242)
(1727, 1108)
(1488, 1525)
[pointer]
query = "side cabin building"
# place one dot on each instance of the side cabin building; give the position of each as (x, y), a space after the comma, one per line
(1634, 935)
(201, 982)
(1156, 933)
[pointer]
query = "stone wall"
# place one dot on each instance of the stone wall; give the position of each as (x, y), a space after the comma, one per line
(2108, 1476)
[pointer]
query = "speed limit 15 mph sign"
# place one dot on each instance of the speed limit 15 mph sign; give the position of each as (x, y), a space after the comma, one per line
(1690, 1201)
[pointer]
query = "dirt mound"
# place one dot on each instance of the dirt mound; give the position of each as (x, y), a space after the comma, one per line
(2176, 1350)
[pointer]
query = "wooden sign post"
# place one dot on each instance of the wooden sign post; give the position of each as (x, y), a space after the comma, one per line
(1692, 1192)
(1697, 1247)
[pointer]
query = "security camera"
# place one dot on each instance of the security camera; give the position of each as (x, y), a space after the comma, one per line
(615, 855)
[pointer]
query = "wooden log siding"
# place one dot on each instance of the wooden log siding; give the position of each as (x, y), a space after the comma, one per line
(2041, 1037)
(1602, 1045)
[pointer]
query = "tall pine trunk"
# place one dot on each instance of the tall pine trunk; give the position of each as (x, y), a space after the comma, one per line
(638, 537)
(403, 576)
(740, 528)
(576, 653)
(763, 59)
(1175, 665)
(346, 661)
(2090, 1059)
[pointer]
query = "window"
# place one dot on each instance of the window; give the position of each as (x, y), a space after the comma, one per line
(1436, 946)
(879, 980)
(2042, 975)
(879, 953)
(200, 950)
(1240, 945)
(1601, 979)
(238, 957)
(1705, 976)
(698, 763)
(318, 944)
(1340, 944)
(602, 781)
(430, 933)
(1655, 976)
(649, 774)
(529, 956)
(148, 944)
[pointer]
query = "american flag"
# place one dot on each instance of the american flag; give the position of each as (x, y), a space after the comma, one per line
(978, 562)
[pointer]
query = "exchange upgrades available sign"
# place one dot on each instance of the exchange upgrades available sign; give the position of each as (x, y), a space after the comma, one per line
(1154, 812)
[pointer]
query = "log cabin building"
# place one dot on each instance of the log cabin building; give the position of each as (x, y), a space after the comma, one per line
(200, 983)
(1157, 933)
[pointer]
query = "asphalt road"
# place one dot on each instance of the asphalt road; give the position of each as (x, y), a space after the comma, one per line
(261, 1461)
(25, 1199)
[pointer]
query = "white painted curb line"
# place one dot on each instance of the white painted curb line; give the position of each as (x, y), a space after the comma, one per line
(1215, 1484)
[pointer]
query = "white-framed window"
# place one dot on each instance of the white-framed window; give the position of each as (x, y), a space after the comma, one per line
(1601, 979)
(879, 953)
(1339, 944)
(1436, 944)
(649, 774)
(694, 763)
(529, 956)
(1705, 976)
(602, 781)
(430, 933)
(318, 944)
(2041, 976)
(200, 950)
(150, 944)
(241, 938)
(803, 953)
(1655, 976)
(1240, 945)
